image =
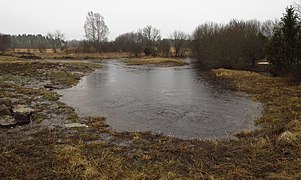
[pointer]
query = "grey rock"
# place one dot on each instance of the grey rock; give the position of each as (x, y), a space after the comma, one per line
(22, 118)
(5, 111)
(7, 102)
(7, 122)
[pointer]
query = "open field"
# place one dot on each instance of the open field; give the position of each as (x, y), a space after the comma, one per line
(155, 61)
(85, 56)
(46, 149)
(70, 54)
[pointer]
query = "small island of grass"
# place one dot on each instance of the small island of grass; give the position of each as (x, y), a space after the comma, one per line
(162, 62)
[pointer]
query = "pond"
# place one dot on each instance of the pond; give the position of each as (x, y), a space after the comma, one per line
(175, 101)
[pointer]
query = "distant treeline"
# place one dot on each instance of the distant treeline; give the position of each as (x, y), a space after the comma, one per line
(237, 44)
(143, 42)
(30, 41)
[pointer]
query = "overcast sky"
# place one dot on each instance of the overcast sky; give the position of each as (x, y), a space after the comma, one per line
(42, 16)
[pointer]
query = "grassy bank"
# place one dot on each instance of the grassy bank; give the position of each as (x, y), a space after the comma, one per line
(98, 152)
(280, 95)
(165, 62)
(68, 55)
(85, 56)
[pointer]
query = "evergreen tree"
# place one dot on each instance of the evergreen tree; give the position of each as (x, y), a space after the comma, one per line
(291, 32)
(283, 50)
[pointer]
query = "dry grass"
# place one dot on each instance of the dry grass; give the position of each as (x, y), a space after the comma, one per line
(26, 50)
(97, 152)
(282, 97)
(35, 54)
(57, 73)
(155, 61)
(9, 59)
(84, 56)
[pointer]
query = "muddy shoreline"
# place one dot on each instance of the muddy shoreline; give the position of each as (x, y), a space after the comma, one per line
(97, 151)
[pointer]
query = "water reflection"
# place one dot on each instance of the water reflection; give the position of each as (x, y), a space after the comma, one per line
(173, 101)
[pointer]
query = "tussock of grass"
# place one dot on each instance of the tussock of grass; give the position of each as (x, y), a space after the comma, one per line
(97, 152)
(288, 138)
(78, 164)
(155, 61)
(97, 122)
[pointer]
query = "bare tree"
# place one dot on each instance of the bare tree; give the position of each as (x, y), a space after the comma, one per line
(254, 41)
(58, 35)
(164, 47)
(50, 38)
(150, 37)
(129, 42)
(238, 44)
(96, 30)
(151, 33)
(136, 44)
(57, 39)
(4, 42)
(179, 39)
(208, 44)
(267, 28)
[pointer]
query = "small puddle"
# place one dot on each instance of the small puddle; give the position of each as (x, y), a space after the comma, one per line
(175, 101)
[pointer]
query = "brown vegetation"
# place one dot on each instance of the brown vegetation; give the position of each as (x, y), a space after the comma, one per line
(36, 151)
(70, 54)
(155, 61)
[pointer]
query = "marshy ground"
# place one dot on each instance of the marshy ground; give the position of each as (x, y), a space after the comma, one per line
(47, 149)
(165, 62)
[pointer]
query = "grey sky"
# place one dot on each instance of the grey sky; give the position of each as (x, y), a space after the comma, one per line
(42, 16)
